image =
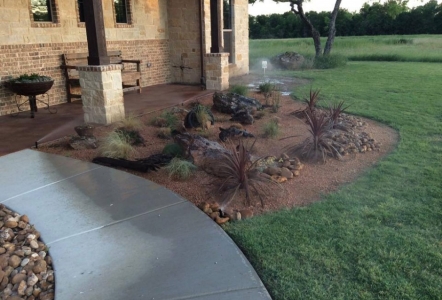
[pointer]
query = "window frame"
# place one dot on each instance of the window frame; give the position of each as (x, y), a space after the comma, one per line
(230, 32)
(55, 20)
(81, 23)
(129, 16)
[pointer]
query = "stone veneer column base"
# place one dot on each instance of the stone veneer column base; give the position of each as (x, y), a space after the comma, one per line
(217, 71)
(102, 93)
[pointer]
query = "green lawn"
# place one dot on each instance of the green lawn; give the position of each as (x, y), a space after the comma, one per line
(417, 48)
(381, 236)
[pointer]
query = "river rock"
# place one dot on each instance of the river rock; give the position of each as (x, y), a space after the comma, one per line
(24, 218)
(11, 223)
(40, 266)
(18, 278)
(286, 173)
(272, 171)
(21, 288)
(32, 279)
(14, 261)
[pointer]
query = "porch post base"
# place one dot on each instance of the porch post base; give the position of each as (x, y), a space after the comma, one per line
(102, 93)
(217, 71)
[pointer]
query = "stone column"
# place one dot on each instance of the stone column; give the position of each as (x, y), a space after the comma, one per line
(217, 71)
(102, 93)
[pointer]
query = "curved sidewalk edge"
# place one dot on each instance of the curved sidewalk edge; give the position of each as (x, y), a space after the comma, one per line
(113, 235)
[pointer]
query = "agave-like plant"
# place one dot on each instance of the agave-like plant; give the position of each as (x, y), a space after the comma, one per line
(318, 146)
(335, 110)
(240, 173)
(311, 102)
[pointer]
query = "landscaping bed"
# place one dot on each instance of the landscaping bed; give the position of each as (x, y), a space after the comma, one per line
(307, 186)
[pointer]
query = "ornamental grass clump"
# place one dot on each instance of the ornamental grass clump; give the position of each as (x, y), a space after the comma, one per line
(132, 123)
(271, 129)
(180, 169)
(199, 116)
(266, 89)
(116, 145)
(239, 89)
(239, 173)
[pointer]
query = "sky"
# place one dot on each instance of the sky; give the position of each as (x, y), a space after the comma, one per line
(270, 7)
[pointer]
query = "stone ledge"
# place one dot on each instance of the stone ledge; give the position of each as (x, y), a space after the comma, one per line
(104, 68)
(217, 54)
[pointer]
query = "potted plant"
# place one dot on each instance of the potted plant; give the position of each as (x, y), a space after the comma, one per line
(30, 85)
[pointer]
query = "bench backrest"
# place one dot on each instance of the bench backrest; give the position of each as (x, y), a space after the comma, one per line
(78, 59)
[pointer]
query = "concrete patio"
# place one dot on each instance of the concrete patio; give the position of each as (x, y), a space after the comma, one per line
(113, 235)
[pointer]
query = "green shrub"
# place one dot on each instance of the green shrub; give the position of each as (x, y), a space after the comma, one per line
(116, 145)
(180, 169)
(239, 89)
(266, 89)
(173, 149)
(271, 129)
(330, 61)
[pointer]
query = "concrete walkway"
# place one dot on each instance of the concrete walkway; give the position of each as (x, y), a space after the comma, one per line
(113, 235)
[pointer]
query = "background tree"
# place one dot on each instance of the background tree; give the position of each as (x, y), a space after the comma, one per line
(375, 18)
(297, 8)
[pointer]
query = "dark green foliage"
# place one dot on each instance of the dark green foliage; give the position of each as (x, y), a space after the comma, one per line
(132, 136)
(330, 61)
(173, 149)
(374, 18)
(266, 89)
(34, 77)
(239, 89)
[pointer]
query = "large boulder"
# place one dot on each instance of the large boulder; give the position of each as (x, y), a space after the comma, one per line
(230, 103)
(204, 153)
(288, 60)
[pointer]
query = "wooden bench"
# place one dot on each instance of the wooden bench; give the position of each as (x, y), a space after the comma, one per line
(129, 74)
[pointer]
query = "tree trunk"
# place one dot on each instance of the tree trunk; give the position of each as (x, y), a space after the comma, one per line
(315, 33)
(332, 28)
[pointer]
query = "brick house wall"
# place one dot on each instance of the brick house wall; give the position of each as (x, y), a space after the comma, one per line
(162, 33)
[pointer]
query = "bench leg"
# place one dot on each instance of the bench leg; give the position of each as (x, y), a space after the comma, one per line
(139, 86)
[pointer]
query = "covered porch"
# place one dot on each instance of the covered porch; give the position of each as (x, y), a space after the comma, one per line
(21, 132)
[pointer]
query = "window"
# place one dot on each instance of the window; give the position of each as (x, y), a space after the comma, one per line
(41, 10)
(121, 11)
(80, 10)
(44, 13)
(228, 29)
(227, 14)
